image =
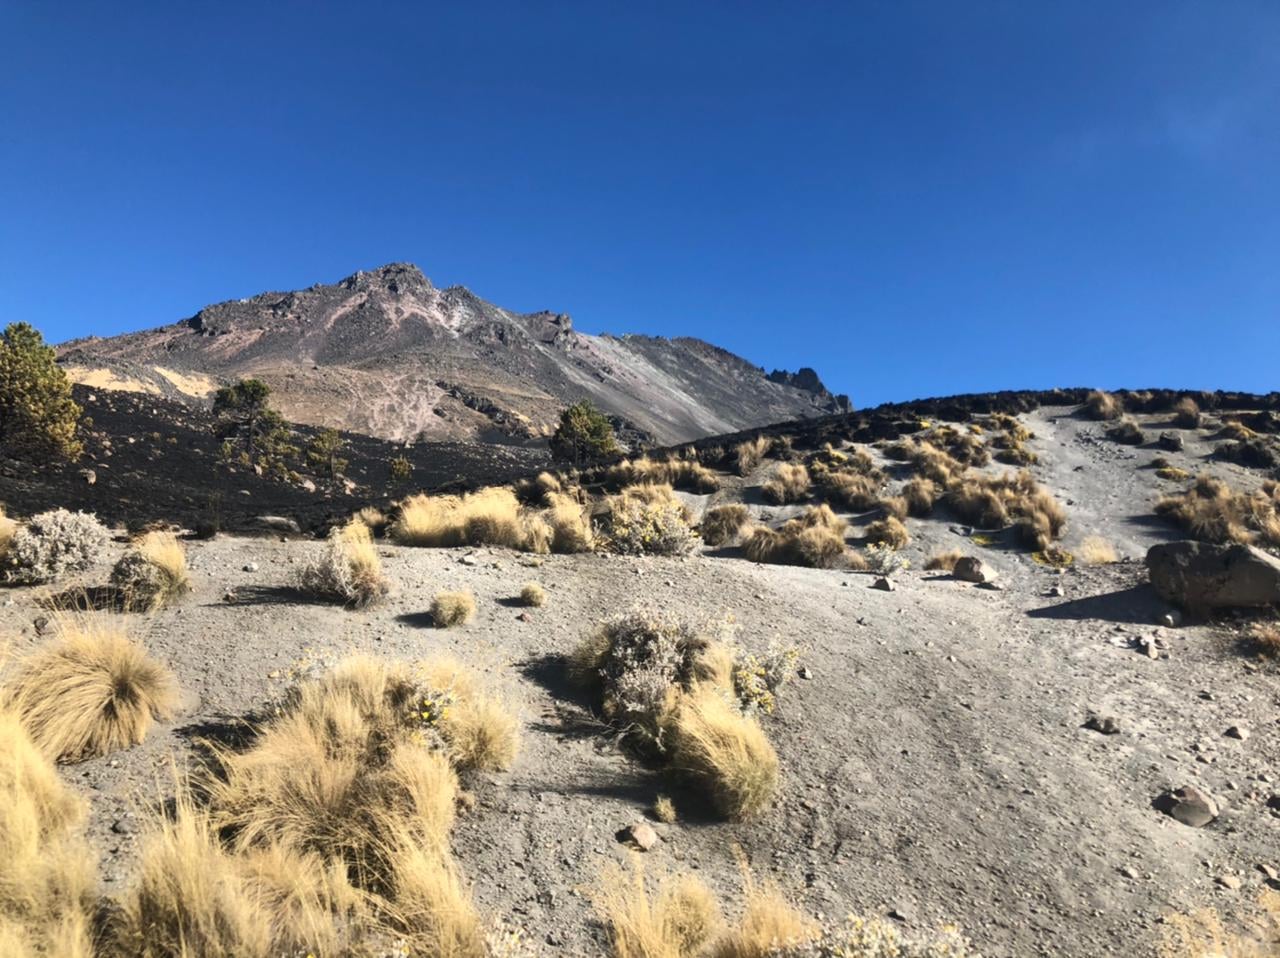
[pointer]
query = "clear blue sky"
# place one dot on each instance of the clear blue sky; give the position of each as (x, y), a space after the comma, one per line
(914, 198)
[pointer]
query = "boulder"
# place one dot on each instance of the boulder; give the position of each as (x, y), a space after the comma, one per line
(1189, 805)
(1171, 441)
(972, 569)
(279, 524)
(1199, 575)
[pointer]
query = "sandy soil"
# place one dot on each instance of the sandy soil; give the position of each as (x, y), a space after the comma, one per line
(936, 764)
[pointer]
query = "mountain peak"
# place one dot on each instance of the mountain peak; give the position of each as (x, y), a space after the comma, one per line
(394, 277)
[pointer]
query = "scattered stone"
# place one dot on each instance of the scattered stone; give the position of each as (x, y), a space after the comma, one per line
(1189, 805)
(902, 913)
(525, 617)
(307, 485)
(805, 672)
(1200, 575)
(1270, 873)
(41, 622)
(122, 826)
(1237, 732)
(641, 834)
(991, 586)
(279, 524)
(469, 559)
(1057, 592)
(1171, 619)
(1231, 882)
(884, 584)
(973, 569)
(89, 476)
(250, 567)
(1171, 441)
(1129, 872)
(1106, 724)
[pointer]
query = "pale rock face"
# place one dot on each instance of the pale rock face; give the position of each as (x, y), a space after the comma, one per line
(386, 353)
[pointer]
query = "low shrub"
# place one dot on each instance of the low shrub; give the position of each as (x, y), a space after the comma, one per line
(861, 937)
(721, 525)
(888, 531)
(533, 595)
(790, 483)
(749, 454)
(452, 608)
(1186, 413)
(1102, 405)
(90, 692)
(7, 528)
(648, 520)
(53, 544)
(815, 539)
(153, 573)
(348, 570)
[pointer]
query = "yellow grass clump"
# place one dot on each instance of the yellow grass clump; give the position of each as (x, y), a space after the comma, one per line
(722, 524)
(1103, 405)
(349, 570)
(888, 531)
(1186, 413)
(990, 502)
(790, 483)
(374, 518)
(1095, 550)
(726, 752)
(7, 529)
(677, 920)
(687, 474)
(1266, 637)
(532, 594)
(814, 538)
(479, 731)
(487, 517)
(855, 491)
(944, 561)
(1204, 933)
(47, 876)
(770, 925)
(664, 810)
(452, 608)
(1211, 510)
(153, 573)
(570, 524)
(920, 495)
(749, 454)
(89, 692)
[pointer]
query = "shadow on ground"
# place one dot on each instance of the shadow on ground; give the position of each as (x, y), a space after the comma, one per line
(1137, 604)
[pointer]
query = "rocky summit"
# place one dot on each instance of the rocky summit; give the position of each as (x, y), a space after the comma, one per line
(388, 354)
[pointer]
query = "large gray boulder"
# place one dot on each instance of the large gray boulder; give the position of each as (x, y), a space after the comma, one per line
(1200, 575)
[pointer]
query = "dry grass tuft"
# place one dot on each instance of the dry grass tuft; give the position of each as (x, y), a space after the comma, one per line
(478, 730)
(678, 920)
(944, 561)
(895, 506)
(46, 882)
(722, 524)
(664, 810)
(888, 531)
(570, 525)
(89, 692)
(1266, 637)
(790, 483)
(1186, 413)
(726, 752)
(1127, 432)
(349, 570)
(1103, 405)
(532, 594)
(920, 495)
(770, 926)
(7, 528)
(815, 539)
(749, 454)
(1173, 473)
(687, 474)
(852, 490)
(1203, 934)
(487, 517)
(1211, 510)
(153, 573)
(1095, 550)
(452, 608)
(374, 518)
(990, 502)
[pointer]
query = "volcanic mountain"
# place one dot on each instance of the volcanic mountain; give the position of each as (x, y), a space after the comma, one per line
(388, 354)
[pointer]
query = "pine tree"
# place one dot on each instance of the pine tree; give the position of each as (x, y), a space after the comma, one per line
(584, 433)
(37, 413)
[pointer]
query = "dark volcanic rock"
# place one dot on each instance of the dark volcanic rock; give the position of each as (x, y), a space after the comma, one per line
(1199, 576)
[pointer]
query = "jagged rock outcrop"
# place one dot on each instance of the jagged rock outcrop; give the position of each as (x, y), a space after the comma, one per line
(387, 353)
